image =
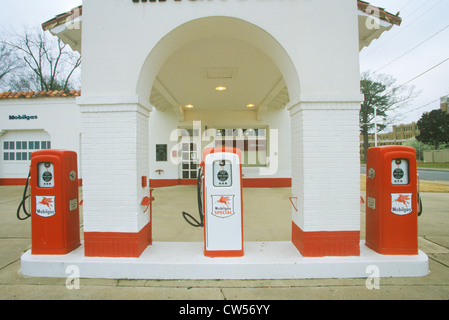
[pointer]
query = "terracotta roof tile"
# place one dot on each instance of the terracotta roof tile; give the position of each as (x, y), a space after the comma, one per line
(383, 14)
(63, 18)
(39, 94)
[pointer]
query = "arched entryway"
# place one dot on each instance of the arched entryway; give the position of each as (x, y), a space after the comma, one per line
(116, 112)
(216, 28)
(188, 67)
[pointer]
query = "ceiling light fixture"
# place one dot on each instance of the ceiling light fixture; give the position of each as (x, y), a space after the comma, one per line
(189, 106)
(250, 105)
(220, 88)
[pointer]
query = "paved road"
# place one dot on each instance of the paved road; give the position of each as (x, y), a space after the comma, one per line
(428, 175)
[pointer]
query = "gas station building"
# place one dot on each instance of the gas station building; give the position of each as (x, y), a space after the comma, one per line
(163, 80)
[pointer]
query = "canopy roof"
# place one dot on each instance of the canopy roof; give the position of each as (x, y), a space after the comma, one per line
(67, 26)
(170, 91)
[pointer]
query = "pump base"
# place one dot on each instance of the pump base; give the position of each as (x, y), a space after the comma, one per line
(55, 251)
(262, 260)
(224, 254)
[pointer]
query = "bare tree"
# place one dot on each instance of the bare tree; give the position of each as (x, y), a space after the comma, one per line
(382, 97)
(49, 63)
(8, 62)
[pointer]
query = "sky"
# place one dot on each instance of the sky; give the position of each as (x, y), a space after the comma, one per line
(22, 13)
(422, 33)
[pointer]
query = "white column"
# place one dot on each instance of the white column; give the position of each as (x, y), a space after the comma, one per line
(326, 167)
(114, 157)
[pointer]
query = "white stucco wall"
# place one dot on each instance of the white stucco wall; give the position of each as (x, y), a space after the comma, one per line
(59, 118)
(119, 36)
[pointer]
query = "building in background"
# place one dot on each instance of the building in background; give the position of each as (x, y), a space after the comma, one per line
(397, 137)
(444, 101)
(401, 133)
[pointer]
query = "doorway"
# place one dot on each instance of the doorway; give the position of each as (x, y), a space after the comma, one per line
(189, 160)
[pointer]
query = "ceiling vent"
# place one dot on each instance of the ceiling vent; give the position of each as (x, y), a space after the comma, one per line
(219, 73)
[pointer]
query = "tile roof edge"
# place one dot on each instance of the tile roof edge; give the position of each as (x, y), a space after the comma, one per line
(9, 95)
(63, 18)
(78, 12)
(383, 14)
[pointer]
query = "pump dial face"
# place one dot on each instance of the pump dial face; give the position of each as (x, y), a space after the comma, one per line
(223, 175)
(398, 173)
(47, 176)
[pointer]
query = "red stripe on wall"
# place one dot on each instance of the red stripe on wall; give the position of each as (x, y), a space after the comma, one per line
(13, 182)
(247, 183)
(22, 182)
(157, 183)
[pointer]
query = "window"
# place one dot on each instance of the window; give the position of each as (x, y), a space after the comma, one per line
(251, 141)
(22, 149)
(45, 145)
(161, 152)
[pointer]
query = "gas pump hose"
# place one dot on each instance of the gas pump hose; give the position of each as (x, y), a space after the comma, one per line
(188, 217)
(420, 207)
(25, 196)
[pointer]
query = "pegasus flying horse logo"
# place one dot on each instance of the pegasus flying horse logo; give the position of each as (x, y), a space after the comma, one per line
(46, 202)
(224, 200)
(404, 199)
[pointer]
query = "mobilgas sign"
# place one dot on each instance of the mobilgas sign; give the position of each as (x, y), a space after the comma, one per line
(22, 117)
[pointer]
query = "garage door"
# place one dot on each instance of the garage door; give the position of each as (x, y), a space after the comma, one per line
(17, 147)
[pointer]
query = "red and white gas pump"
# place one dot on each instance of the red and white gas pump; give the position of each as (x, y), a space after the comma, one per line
(392, 204)
(223, 203)
(220, 202)
(55, 227)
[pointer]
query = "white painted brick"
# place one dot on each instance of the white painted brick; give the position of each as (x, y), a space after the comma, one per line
(114, 157)
(325, 167)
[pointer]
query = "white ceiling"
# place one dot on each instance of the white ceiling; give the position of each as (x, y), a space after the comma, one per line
(191, 75)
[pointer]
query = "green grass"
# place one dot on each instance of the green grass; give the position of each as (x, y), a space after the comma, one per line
(427, 165)
(433, 165)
